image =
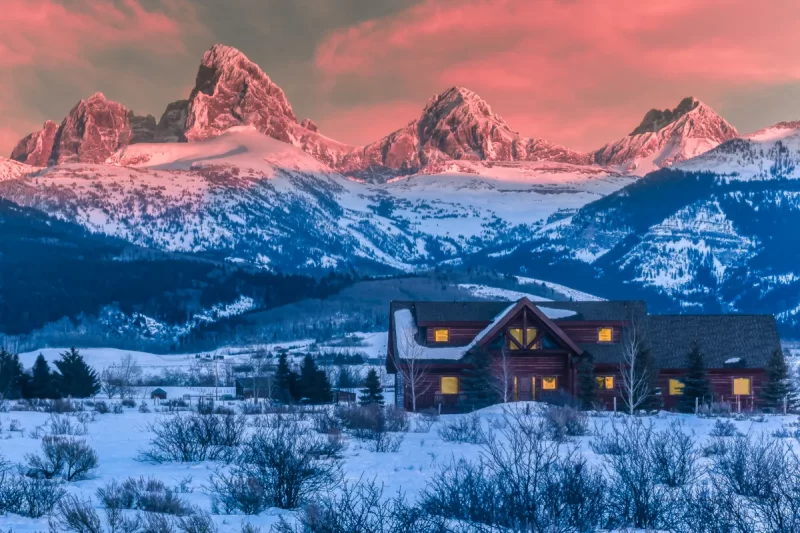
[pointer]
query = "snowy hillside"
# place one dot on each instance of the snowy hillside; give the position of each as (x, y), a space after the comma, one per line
(667, 137)
(252, 198)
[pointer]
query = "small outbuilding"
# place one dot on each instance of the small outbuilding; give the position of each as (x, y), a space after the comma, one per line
(158, 394)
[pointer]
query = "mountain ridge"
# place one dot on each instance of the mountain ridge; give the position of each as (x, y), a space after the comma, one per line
(454, 125)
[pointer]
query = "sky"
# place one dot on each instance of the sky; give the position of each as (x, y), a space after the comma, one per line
(576, 72)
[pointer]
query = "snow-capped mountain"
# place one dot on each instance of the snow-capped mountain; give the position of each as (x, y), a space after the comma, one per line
(667, 137)
(713, 233)
(247, 197)
(454, 125)
(10, 169)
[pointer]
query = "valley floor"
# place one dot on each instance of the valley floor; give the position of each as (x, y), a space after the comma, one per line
(119, 438)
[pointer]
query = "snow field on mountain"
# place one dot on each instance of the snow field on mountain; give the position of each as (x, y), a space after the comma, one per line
(565, 291)
(119, 438)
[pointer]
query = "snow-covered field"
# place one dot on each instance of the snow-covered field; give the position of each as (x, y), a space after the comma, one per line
(118, 439)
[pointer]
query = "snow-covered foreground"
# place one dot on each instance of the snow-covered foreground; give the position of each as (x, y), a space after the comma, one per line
(119, 438)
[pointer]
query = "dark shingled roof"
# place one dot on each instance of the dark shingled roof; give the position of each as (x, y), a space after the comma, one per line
(487, 311)
(720, 337)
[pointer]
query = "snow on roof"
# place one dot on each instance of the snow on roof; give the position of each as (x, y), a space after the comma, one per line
(405, 331)
(552, 314)
(733, 360)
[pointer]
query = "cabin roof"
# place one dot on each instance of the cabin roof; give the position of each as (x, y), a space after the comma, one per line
(753, 338)
(487, 311)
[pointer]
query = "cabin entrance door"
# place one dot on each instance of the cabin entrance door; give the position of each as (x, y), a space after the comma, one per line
(524, 388)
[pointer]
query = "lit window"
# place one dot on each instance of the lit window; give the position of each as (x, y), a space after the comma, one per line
(449, 385)
(530, 335)
(604, 335)
(548, 383)
(741, 386)
(441, 335)
(675, 387)
(605, 382)
(516, 334)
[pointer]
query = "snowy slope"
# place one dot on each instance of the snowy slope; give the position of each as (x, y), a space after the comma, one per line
(667, 137)
(10, 169)
(253, 198)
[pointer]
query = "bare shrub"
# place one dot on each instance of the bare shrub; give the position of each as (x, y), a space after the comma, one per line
(143, 407)
(327, 423)
(25, 496)
(251, 408)
(425, 420)
(463, 428)
(101, 407)
(66, 457)
(637, 496)
(360, 507)
(77, 515)
(565, 421)
(522, 482)
(130, 403)
(144, 494)
(193, 437)
(751, 466)
(675, 457)
(196, 523)
(65, 425)
(396, 419)
(277, 467)
(723, 428)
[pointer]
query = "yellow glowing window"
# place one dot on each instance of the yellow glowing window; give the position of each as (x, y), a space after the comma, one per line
(530, 335)
(605, 382)
(449, 385)
(604, 335)
(516, 334)
(441, 335)
(675, 387)
(548, 383)
(741, 386)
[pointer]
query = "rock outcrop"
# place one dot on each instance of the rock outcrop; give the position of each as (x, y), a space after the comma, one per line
(35, 148)
(172, 124)
(667, 137)
(230, 90)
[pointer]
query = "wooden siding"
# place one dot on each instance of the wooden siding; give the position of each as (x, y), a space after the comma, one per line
(587, 333)
(458, 336)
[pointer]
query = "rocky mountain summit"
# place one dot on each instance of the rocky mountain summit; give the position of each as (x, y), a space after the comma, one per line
(456, 125)
(667, 137)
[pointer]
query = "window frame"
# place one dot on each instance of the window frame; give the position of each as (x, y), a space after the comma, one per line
(749, 380)
(671, 390)
(442, 387)
(436, 332)
(600, 334)
(602, 382)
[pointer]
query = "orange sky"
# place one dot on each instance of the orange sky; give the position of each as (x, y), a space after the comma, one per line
(577, 72)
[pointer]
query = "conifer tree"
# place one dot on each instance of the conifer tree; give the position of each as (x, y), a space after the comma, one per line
(695, 383)
(587, 384)
(11, 375)
(75, 378)
(476, 382)
(372, 393)
(286, 381)
(314, 384)
(778, 385)
(42, 383)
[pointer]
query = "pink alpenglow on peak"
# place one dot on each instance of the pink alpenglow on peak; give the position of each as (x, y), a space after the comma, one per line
(667, 137)
(35, 148)
(230, 90)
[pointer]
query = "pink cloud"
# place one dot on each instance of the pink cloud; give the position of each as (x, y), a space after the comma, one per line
(551, 64)
(45, 33)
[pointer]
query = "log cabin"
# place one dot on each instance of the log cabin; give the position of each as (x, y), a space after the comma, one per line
(534, 349)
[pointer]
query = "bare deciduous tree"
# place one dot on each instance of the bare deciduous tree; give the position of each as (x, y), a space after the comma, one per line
(504, 376)
(412, 367)
(122, 377)
(635, 374)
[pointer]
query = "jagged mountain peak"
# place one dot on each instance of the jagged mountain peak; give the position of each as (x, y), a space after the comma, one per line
(655, 119)
(669, 136)
(230, 90)
(458, 104)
